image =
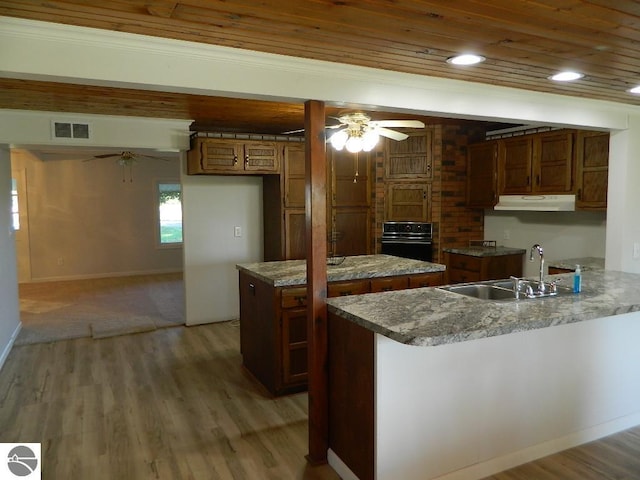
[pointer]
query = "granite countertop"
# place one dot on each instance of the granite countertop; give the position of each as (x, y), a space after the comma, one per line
(485, 251)
(430, 316)
(294, 272)
(586, 263)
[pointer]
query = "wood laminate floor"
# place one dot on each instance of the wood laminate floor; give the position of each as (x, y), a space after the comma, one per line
(168, 404)
(175, 404)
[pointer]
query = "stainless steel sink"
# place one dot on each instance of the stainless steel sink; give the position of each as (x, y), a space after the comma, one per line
(482, 291)
(503, 290)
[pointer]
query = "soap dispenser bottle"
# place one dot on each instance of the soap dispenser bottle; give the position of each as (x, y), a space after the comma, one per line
(577, 280)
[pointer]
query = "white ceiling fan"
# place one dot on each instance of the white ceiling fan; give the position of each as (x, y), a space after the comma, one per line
(357, 131)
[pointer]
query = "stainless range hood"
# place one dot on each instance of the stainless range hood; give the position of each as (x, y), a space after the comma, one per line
(538, 203)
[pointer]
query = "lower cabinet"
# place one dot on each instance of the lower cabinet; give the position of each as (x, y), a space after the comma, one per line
(467, 268)
(273, 325)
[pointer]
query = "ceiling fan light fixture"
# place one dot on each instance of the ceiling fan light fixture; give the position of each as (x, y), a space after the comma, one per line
(466, 59)
(339, 139)
(354, 144)
(635, 90)
(370, 140)
(566, 76)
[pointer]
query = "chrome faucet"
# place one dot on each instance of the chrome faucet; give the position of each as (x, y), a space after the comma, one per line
(541, 285)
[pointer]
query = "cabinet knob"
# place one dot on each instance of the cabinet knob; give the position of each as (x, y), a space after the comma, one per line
(246, 160)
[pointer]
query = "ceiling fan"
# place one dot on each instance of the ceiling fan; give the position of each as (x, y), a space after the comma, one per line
(125, 158)
(357, 131)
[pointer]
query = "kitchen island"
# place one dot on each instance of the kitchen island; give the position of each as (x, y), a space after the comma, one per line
(273, 308)
(440, 385)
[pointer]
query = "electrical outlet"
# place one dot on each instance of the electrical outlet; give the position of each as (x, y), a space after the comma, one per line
(237, 231)
(506, 235)
(636, 250)
(60, 261)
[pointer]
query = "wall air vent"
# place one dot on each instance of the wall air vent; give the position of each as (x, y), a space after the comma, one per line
(70, 130)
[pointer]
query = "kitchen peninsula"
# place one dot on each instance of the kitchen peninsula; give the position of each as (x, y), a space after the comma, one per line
(273, 308)
(428, 383)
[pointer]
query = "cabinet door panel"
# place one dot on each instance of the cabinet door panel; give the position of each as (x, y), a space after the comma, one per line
(482, 175)
(408, 202)
(341, 289)
(410, 158)
(388, 284)
(222, 156)
(295, 231)
(516, 165)
(294, 179)
(592, 170)
(350, 179)
(554, 158)
(351, 231)
(261, 157)
(294, 346)
(425, 280)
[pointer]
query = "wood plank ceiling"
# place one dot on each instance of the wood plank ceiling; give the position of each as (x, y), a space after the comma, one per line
(524, 41)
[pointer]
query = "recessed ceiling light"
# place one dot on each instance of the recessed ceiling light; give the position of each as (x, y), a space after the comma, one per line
(566, 76)
(635, 90)
(466, 59)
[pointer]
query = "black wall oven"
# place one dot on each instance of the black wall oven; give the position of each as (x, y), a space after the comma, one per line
(408, 240)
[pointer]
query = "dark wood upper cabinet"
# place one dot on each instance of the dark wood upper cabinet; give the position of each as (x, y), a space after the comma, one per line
(553, 162)
(592, 170)
(411, 158)
(516, 161)
(220, 156)
(482, 175)
(538, 163)
(408, 174)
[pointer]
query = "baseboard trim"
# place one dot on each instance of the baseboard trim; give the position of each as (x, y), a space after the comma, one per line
(340, 467)
(535, 452)
(103, 275)
(7, 349)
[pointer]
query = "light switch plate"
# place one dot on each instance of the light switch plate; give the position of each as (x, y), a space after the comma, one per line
(237, 231)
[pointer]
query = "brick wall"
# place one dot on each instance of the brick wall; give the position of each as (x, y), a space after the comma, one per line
(453, 223)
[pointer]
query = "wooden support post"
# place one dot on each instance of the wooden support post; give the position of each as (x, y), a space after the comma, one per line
(316, 246)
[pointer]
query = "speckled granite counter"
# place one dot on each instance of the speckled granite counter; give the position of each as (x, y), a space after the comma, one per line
(586, 263)
(485, 251)
(294, 272)
(430, 316)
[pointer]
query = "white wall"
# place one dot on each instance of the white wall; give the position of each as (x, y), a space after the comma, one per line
(471, 409)
(212, 207)
(563, 235)
(624, 198)
(9, 309)
(84, 221)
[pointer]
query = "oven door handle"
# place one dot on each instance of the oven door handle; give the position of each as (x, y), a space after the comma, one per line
(406, 241)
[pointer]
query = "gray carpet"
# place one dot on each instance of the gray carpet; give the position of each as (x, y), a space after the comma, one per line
(99, 308)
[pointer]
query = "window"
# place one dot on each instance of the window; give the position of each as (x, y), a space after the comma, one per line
(15, 216)
(169, 213)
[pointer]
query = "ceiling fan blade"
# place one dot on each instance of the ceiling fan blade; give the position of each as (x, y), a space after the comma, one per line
(293, 131)
(399, 123)
(136, 155)
(107, 155)
(392, 134)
